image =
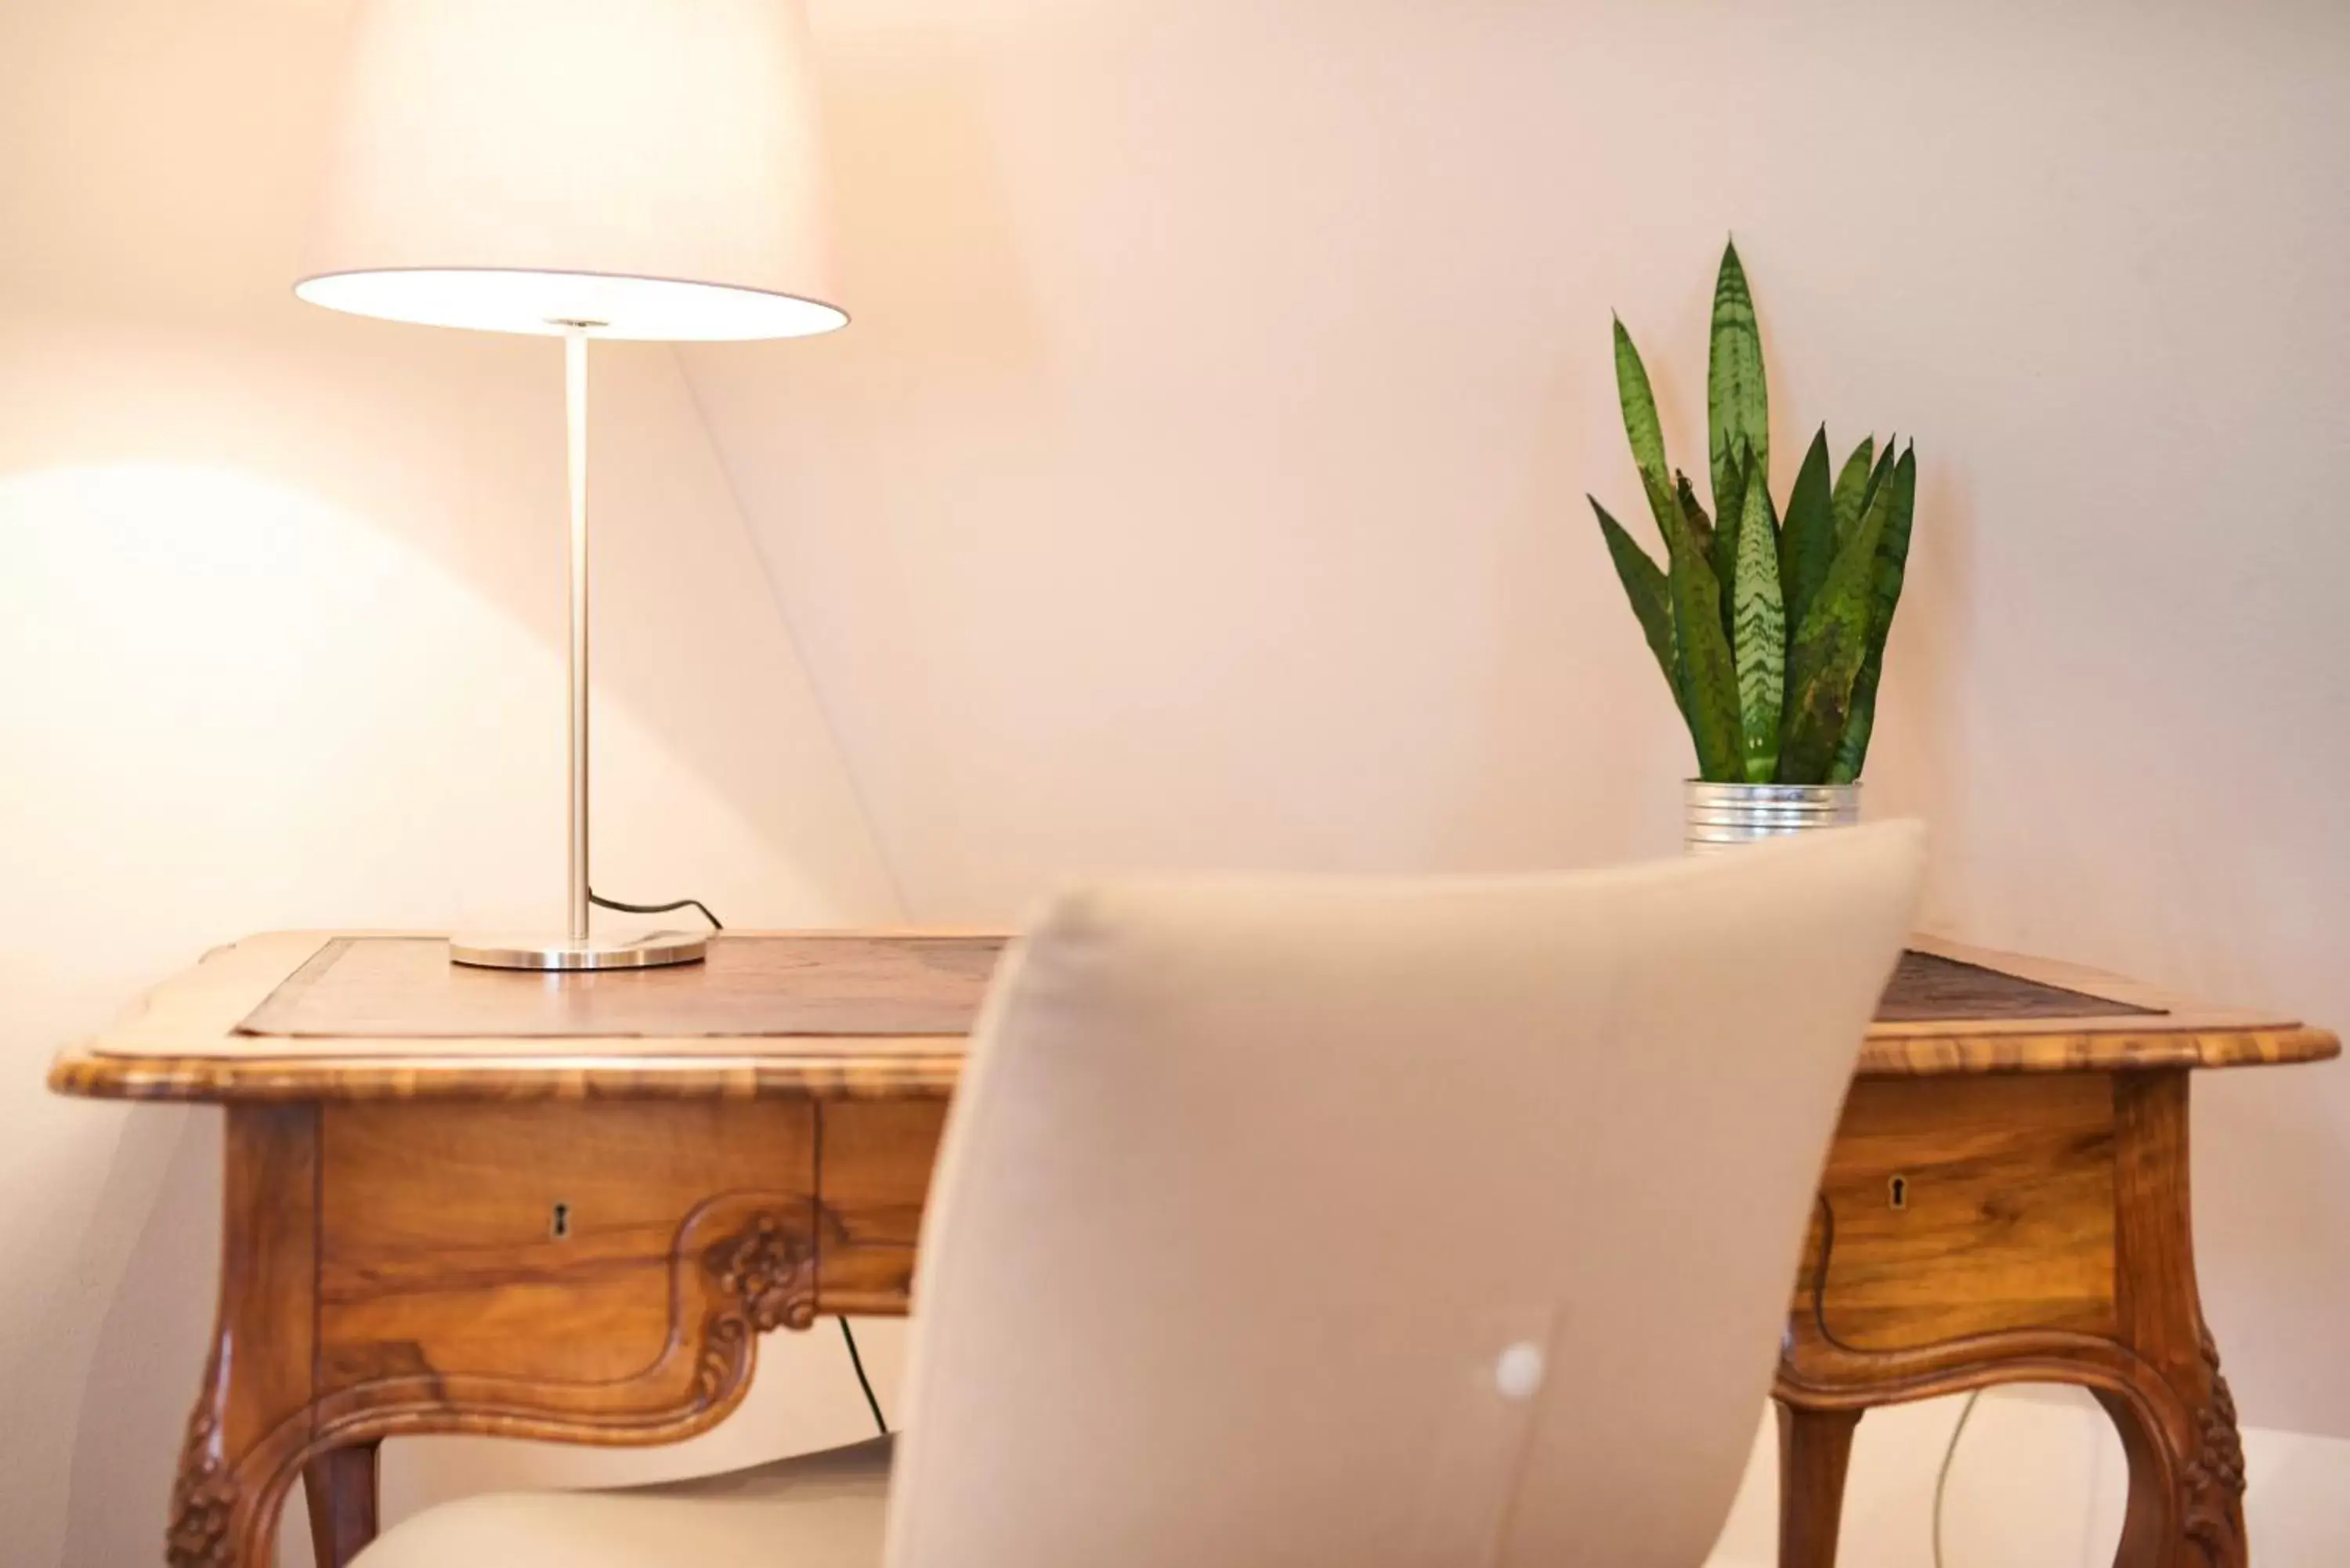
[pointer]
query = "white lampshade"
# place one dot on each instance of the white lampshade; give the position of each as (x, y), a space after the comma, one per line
(650, 166)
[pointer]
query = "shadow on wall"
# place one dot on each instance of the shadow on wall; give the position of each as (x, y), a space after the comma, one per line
(449, 444)
(945, 334)
(155, 1335)
(255, 711)
(1922, 751)
(292, 585)
(157, 227)
(929, 251)
(1560, 614)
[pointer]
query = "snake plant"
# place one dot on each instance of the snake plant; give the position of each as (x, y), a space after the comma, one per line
(1770, 627)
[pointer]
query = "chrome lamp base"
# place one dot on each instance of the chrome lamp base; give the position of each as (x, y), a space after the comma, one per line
(647, 950)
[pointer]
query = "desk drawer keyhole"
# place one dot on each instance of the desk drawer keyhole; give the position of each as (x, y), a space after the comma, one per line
(560, 1225)
(1899, 1187)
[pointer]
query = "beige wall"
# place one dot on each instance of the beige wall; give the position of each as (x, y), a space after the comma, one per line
(282, 612)
(1200, 484)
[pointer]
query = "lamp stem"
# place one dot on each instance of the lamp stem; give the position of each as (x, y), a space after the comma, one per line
(578, 949)
(575, 405)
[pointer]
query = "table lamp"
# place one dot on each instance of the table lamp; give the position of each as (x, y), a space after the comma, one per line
(578, 169)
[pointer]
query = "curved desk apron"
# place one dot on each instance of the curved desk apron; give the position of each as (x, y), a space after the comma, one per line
(566, 1207)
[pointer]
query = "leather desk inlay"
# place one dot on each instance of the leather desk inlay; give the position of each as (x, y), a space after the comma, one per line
(386, 988)
(566, 1207)
(362, 988)
(1930, 985)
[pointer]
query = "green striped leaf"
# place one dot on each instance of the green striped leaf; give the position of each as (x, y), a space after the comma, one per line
(1877, 475)
(1644, 585)
(1701, 527)
(1639, 405)
(1709, 675)
(1730, 508)
(1825, 658)
(1891, 566)
(1852, 488)
(1761, 640)
(1737, 404)
(1807, 543)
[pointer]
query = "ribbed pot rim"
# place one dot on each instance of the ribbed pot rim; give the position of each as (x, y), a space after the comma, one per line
(1789, 793)
(1723, 815)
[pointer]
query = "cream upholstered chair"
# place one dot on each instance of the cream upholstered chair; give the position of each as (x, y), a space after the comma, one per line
(1291, 1222)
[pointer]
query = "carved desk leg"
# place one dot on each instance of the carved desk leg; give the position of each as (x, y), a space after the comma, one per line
(251, 1420)
(341, 1487)
(2038, 1232)
(2178, 1422)
(1815, 1446)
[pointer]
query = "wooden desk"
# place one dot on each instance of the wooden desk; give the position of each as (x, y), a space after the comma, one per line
(566, 1207)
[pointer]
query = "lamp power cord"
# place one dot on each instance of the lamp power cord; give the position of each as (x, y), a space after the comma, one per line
(847, 1335)
(1942, 1476)
(601, 902)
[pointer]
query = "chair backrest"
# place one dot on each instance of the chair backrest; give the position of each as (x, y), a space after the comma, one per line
(1301, 1221)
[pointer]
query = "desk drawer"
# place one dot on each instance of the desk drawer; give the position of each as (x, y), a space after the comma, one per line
(542, 1242)
(875, 1179)
(1965, 1206)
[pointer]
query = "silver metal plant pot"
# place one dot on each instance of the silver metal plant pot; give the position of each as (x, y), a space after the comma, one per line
(1719, 816)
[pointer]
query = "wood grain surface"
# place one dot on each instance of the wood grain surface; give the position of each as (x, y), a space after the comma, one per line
(454, 1233)
(1814, 1451)
(873, 1183)
(2005, 1181)
(580, 1236)
(189, 1039)
(592, 1274)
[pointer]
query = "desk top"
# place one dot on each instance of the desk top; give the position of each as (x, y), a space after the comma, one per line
(302, 1015)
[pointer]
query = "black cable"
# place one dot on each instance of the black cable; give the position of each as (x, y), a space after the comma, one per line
(602, 902)
(863, 1382)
